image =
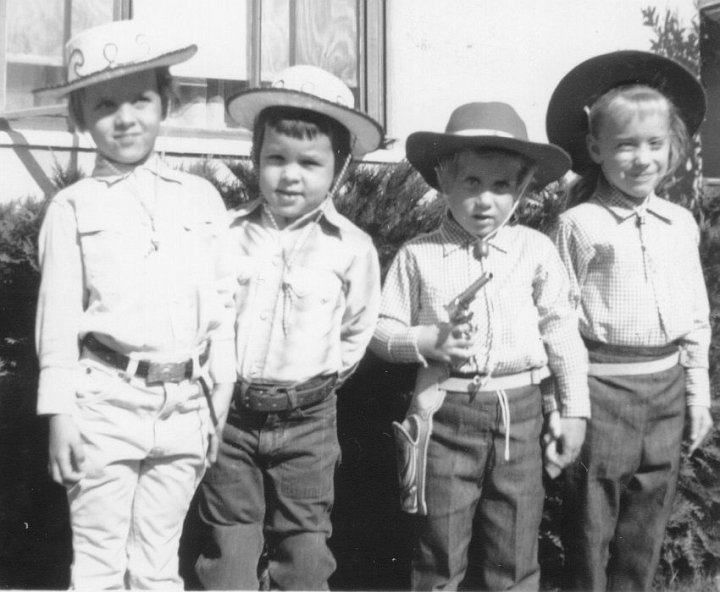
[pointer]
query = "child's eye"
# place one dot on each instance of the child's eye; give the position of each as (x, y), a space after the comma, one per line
(501, 186)
(104, 105)
(309, 162)
(657, 144)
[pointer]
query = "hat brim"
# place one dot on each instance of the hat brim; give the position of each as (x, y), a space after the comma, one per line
(247, 105)
(425, 149)
(566, 120)
(167, 59)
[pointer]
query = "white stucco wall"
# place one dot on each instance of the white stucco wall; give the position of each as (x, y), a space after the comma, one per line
(443, 54)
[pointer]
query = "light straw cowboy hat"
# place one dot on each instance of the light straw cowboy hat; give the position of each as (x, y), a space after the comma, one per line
(484, 126)
(567, 115)
(314, 89)
(113, 50)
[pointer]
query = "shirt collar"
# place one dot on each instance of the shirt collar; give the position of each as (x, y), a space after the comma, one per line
(457, 238)
(325, 211)
(623, 207)
(112, 172)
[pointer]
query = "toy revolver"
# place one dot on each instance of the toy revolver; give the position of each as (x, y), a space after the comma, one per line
(412, 436)
(458, 308)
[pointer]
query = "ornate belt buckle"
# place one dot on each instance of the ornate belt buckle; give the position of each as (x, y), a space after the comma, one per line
(165, 372)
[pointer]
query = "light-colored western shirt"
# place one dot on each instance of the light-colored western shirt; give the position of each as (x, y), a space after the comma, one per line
(523, 316)
(135, 256)
(636, 275)
(307, 296)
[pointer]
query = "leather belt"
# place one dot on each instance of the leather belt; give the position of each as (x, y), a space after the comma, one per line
(460, 383)
(152, 372)
(634, 368)
(273, 398)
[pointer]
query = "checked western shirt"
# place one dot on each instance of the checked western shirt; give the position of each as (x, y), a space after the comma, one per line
(636, 276)
(524, 316)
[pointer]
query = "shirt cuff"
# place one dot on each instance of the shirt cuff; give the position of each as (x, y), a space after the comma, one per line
(56, 391)
(697, 386)
(222, 361)
(403, 347)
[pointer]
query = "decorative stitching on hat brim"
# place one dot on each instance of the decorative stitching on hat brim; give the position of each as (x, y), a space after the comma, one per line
(424, 150)
(247, 105)
(566, 120)
(167, 59)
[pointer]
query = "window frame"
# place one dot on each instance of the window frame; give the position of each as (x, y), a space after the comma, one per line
(371, 15)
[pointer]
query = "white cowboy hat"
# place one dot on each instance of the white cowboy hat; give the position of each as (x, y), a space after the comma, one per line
(113, 50)
(314, 89)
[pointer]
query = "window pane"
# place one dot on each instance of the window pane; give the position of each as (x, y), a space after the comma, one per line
(318, 32)
(36, 38)
(220, 68)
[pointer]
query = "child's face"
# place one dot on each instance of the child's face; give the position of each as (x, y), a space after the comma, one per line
(123, 116)
(295, 173)
(633, 147)
(483, 191)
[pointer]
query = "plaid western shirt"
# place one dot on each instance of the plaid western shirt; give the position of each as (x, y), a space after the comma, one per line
(636, 276)
(523, 315)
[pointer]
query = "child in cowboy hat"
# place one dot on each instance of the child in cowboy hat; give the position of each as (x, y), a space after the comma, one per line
(477, 391)
(135, 317)
(625, 118)
(308, 290)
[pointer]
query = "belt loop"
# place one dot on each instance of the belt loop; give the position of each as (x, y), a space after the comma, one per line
(292, 397)
(535, 375)
(195, 365)
(131, 368)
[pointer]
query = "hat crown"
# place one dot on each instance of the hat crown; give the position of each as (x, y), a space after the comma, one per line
(110, 46)
(317, 82)
(487, 119)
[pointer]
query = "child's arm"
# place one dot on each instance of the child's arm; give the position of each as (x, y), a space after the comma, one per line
(694, 352)
(362, 301)
(60, 305)
(567, 359)
(398, 336)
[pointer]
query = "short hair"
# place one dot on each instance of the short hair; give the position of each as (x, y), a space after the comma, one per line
(166, 89)
(301, 124)
(447, 166)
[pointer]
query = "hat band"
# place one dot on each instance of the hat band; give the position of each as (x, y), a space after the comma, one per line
(482, 132)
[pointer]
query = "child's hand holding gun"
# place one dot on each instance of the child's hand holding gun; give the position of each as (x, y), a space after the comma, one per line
(452, 342)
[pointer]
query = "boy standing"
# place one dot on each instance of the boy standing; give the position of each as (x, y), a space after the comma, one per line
(134, 317)
(308, 291)
(478, 385)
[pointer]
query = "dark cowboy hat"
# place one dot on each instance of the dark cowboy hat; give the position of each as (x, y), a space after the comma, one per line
(567, 121)
(484, 126)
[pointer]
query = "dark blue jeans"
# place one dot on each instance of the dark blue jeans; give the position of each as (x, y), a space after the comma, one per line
(620, 492)
(274, 482)
(475, 495)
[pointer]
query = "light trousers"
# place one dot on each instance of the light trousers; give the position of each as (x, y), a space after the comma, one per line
(145, 453)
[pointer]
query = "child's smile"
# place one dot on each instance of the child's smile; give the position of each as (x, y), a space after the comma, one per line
(633, 148)
(296, 174)
(123, 116)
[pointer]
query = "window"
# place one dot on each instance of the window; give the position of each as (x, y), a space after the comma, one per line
(242, 44)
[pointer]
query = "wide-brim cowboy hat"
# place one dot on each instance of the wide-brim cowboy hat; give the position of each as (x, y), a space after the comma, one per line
(314, 89)
(482, 126)
(113, 50)
(567, 115)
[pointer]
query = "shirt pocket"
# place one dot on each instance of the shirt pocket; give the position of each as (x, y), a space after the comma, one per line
(313, 289)
(108, 245)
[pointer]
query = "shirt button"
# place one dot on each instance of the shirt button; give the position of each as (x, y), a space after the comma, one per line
(253, 371)
(263, 316)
